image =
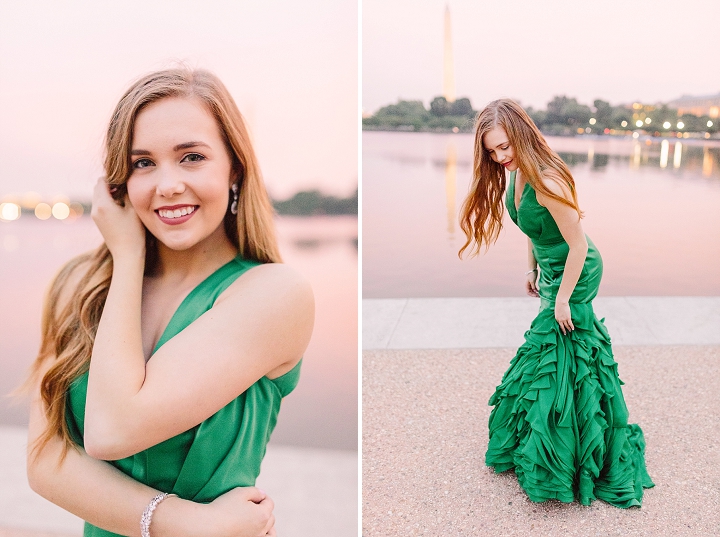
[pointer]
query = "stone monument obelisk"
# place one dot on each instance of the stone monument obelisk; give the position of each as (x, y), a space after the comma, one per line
(448, 68)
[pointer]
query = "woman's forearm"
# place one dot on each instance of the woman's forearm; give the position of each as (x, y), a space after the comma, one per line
(101, 494)
(573, 268)
(532, 262)
(117, 367)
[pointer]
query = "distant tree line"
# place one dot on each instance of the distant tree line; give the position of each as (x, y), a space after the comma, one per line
(413, 116)
(314, 202)
(563, 116)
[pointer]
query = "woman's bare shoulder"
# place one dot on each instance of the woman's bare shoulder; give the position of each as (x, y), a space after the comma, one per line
(555, 183)
(272, 285)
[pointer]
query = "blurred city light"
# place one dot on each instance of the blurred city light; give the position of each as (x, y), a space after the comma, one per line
(623, 124)
(588, 130)
(592, 121)
(709, 123)
(664, 151)
(60, 210)
(76, 210)
(636, 135)
(648, 120)
(680, 125)
(29, 200)
(9, 211)
(43, 211)
(667, 125)
(639, 123)
(677, 157)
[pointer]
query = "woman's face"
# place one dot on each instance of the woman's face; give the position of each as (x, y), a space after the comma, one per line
(180, 180)
(497, 144)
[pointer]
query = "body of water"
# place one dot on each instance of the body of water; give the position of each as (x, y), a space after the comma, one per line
(652, 207)
(321, 412)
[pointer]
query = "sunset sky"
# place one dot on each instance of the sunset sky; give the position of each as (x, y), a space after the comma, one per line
(617, 50)
(291, 66)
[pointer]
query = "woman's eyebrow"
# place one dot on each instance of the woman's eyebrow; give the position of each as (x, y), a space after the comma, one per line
(188, 145)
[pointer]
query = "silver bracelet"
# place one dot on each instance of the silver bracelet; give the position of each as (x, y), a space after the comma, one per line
(529, 271)
(148, 513)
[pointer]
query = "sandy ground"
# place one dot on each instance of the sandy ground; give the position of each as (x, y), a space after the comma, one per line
(425, 434)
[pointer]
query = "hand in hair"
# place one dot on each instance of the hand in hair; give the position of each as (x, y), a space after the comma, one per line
(120, 226)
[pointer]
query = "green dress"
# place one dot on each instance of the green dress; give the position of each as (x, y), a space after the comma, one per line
(225, 450)
(559, 417)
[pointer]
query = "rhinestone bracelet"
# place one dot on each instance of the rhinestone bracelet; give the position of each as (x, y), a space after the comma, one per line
(148, 513)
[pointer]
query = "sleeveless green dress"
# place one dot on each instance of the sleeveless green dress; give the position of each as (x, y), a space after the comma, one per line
(225, 450)
(559, 417)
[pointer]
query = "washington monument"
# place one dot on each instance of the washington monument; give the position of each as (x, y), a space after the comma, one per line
(448, 69)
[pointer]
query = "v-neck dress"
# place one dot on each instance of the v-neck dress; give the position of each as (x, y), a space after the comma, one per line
(559, 417)
(222, 452)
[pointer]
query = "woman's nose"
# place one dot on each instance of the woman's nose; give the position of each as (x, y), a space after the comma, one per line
(169, 184)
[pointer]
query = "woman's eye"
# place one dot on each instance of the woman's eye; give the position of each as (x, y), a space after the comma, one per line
(142, 163)
(504, 148)
(193, 157)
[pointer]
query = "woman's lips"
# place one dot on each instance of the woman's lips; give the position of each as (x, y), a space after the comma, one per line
(506, 164)
(177, 214)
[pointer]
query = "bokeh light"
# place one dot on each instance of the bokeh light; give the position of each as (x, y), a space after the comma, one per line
(639, 123)
(592, 121)
(667, 125)
(680, 125)
(9, 211)
(76, 210)
(43, 211)
(61, 210)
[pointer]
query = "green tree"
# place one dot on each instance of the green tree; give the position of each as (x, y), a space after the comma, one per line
(462, 107)
(440, 107)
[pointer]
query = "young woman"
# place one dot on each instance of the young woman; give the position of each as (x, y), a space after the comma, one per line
(167, 350)
(559, 417)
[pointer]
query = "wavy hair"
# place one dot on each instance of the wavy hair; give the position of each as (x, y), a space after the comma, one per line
(482, 211)
(68, 332)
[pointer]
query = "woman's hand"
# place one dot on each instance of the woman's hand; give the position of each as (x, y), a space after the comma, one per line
(243, 512)
(531, 284)
(562, 316)
(120, 226)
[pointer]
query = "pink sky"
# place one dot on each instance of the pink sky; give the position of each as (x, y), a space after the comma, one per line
(617, 50)
(291, 66)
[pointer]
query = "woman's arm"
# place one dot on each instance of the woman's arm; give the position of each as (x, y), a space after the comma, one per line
(260, 325)
(531, 277)
(568, 222)
(104, 496)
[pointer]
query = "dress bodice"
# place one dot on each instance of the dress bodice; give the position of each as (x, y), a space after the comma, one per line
(550, 248)
(222, 452)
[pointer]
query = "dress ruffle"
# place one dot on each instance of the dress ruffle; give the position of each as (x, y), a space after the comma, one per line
(560, 419)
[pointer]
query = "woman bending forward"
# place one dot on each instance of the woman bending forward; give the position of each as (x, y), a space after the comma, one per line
(559, 418)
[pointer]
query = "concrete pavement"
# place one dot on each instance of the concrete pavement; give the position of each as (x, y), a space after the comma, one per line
(430, 366)
(454, 323)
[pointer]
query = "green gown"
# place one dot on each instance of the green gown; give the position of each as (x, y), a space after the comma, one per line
(225, 450)
(559, 417)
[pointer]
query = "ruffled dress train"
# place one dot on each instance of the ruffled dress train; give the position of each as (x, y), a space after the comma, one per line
(559, 417)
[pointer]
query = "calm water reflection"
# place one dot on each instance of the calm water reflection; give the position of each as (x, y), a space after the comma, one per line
(321, 412)
(651, 207)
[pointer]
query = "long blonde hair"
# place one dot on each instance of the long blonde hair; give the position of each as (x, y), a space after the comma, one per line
(482, 211)
(68, 335)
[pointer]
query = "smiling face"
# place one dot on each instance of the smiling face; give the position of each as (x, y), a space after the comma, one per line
(181, 173)
(497, 144)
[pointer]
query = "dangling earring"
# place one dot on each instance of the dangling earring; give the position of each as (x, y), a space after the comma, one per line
(234, 206)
